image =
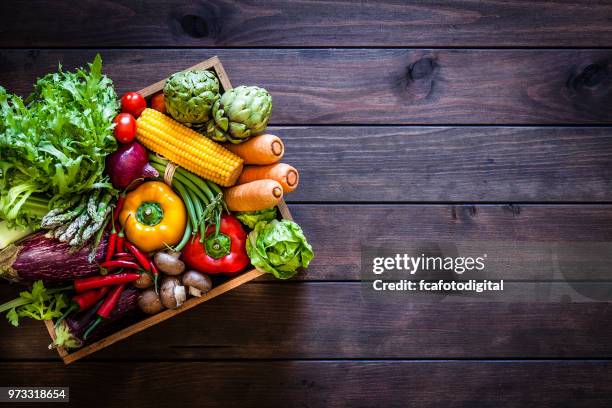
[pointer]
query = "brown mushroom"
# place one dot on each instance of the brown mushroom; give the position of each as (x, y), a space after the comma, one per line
(197, 282)
(169, 263)
(172, 293)
(144, 281)
(149, 302)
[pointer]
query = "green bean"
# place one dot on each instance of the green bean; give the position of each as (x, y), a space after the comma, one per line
(187, 200)
(179, 247)
(201, 183)
(214, 187)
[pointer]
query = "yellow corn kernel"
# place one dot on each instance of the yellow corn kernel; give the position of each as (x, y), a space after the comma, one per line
(187, 148)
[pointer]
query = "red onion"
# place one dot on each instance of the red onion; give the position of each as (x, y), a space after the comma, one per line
(128, 163)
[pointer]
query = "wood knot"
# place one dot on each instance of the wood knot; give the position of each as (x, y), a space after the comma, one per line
(591, 76)
(422, 68)
(194, 26)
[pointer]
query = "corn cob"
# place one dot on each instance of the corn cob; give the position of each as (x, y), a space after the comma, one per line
(187, 148)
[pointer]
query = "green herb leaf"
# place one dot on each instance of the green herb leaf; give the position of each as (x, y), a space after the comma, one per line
(38, 304)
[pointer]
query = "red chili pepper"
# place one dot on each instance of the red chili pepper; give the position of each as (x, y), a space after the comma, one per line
(106, 308)
(140, 257)
(118, 263)
(119, 206)
(89, 298)
(112, 239)
(129, 258)
(83, 301)
(122, 254)
(93, 282)
(120, 245)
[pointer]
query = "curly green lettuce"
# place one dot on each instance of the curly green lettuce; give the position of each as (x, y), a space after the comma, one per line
(279, 248)
(251, 218)
(53, 144)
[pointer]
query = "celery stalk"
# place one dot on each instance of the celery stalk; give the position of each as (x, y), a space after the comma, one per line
(9, 235)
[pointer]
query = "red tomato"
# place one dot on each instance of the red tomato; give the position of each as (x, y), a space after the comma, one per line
(158, 103)
(133, 103)
(125, 127)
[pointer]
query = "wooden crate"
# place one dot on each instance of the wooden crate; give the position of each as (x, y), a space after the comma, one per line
(69, 357)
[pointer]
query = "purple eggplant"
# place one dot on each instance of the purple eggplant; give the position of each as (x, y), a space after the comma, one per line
(78, 323)
(37, 257)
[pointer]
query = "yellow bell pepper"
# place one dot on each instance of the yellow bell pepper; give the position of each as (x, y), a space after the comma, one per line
(153, 216)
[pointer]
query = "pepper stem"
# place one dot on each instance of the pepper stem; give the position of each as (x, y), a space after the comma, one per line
(92, 327)
(74, 307)
(218, 245)
(150, 213)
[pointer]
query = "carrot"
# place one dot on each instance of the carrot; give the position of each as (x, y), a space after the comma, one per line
(254, 196)
(262, 149)
(286, 175)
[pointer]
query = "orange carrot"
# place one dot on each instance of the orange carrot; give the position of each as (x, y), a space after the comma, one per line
(254, 196)
(286, 175)
(262, 149)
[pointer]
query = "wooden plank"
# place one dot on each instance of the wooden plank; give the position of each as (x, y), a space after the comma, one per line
(518, 164)
(338, 231)
(331, 384)
(356, 86)
(384, 23)
(333, 320)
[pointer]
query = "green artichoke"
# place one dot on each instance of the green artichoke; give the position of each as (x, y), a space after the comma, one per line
(239, 114)
(190, 95)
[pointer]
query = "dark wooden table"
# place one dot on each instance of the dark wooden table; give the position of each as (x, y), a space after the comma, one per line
(446, 120)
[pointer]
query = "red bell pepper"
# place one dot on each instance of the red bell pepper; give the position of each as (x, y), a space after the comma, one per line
(219, 253)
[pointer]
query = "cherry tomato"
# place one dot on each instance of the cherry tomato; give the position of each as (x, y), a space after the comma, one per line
(125, 127)
(133, 103)
(157, 102)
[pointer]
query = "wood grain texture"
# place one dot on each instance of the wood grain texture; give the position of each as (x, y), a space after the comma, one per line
(326, 384)
(426, 384)
(338, 231)
(315, 86)
(253, 23)
(375, 164)
(333, 320)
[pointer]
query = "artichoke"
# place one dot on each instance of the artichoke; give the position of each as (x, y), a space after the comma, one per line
(190, 95)
(239, 114)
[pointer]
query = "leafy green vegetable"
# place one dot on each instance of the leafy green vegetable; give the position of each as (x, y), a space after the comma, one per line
(63, 338)
(39, 304)
(53, 145)
(251, 218)
(279, 248)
